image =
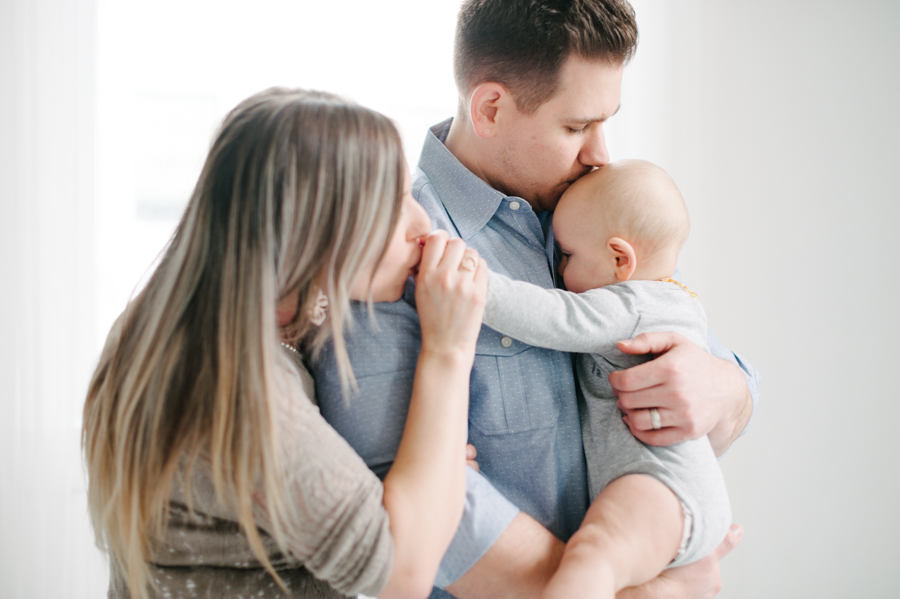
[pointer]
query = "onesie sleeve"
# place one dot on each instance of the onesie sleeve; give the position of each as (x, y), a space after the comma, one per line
(590, 322)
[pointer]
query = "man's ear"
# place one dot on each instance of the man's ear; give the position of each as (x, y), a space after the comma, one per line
(623, 254)
(487, 102)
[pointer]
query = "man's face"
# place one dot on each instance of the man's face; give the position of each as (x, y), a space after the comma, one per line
(541, 154)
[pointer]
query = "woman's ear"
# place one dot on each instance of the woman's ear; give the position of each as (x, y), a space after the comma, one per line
(485, 106)
(626, 260)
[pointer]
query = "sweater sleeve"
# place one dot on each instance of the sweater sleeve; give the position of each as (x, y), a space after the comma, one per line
(342, 531)
(590, 322)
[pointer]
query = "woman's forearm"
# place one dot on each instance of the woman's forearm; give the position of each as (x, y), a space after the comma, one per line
(424, 492)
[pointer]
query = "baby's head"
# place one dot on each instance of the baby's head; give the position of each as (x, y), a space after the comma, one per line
(626, 220)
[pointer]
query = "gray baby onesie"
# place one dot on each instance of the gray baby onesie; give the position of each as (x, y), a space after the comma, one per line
(590, 324)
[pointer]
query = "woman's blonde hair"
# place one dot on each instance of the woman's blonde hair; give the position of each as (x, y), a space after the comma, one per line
(300, 191)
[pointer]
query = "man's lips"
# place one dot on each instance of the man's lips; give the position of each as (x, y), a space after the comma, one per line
(577, 176)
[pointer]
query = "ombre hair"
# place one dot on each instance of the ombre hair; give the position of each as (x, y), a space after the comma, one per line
(300, 191)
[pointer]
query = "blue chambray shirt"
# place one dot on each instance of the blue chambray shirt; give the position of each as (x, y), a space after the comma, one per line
(523, 415)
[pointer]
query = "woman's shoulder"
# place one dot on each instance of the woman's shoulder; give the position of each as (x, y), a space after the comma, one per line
(309, 442)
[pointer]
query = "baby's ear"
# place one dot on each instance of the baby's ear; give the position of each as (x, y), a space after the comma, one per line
(623, 254)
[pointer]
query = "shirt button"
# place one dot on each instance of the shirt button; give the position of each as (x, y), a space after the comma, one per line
(514, 205)
(506, 341)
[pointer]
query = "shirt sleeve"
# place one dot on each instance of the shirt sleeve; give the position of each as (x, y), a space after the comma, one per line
(590, 322)
(486, 516)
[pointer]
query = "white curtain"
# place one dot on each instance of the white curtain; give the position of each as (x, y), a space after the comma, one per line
(47, 340)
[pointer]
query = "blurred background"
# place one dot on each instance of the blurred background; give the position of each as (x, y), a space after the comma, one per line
(778, 119)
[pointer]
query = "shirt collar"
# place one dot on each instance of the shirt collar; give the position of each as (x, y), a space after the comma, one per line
(469, 201)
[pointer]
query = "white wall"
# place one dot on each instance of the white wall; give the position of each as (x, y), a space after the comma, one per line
(46, 296)
(781, 126)
(778, 120)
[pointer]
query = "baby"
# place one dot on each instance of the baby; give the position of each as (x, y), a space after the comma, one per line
(620, 229)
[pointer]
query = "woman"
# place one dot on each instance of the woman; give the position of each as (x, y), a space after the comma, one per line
(211, 472)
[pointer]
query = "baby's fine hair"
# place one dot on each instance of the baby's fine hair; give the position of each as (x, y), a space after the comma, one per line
(641, 204)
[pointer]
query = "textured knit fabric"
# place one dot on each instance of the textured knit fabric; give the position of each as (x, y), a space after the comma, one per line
(591, 323)
(342, 545)
(523, 416)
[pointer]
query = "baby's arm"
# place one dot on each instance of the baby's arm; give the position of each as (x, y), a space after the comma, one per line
(631, 532)
(591, 322)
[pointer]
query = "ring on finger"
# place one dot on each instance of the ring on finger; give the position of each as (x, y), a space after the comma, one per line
(654, 419)
(468, 263)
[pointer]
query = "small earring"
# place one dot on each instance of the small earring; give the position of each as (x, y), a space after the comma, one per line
(319, 309)
(487, 131)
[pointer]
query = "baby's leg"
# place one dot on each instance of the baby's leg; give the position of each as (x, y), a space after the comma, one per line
(686, 474)
(631, 532)
(689, 470)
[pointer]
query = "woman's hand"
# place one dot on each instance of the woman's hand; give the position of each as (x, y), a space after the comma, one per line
(450, 295)
(425, 489)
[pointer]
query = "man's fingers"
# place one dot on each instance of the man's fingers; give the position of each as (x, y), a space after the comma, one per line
(734, 536)
(661, 438)
(636, 378)
(642, 420)
(649, 343)
(643, 399)
(655, 372)
(471, 454)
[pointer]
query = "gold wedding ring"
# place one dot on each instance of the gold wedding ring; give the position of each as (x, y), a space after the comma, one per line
(468, 263)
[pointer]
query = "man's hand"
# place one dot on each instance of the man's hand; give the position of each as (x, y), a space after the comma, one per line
(700, 580)
(694, 392)
(471, 455)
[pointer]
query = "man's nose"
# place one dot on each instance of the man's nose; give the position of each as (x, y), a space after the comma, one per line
(594, 152)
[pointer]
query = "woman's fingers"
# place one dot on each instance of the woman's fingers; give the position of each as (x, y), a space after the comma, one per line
(481, 276)
(450, 294)
(453, 255)
(433, 250)
(469, 261)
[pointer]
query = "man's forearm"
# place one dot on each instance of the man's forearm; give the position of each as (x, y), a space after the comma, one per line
(517, 566)
(736, 414)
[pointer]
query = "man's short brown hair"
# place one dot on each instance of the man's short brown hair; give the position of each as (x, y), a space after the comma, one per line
(522, 44)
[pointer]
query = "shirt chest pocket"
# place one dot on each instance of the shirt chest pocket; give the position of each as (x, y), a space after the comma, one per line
(516, 387)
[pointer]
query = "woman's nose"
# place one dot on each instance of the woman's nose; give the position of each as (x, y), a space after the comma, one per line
(420, 222)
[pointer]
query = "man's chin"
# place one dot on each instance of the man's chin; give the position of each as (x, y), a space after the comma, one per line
(547, 202)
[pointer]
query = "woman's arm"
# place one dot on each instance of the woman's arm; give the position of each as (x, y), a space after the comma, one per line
(424, 492)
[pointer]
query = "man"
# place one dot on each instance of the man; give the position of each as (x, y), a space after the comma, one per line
(537, 80)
